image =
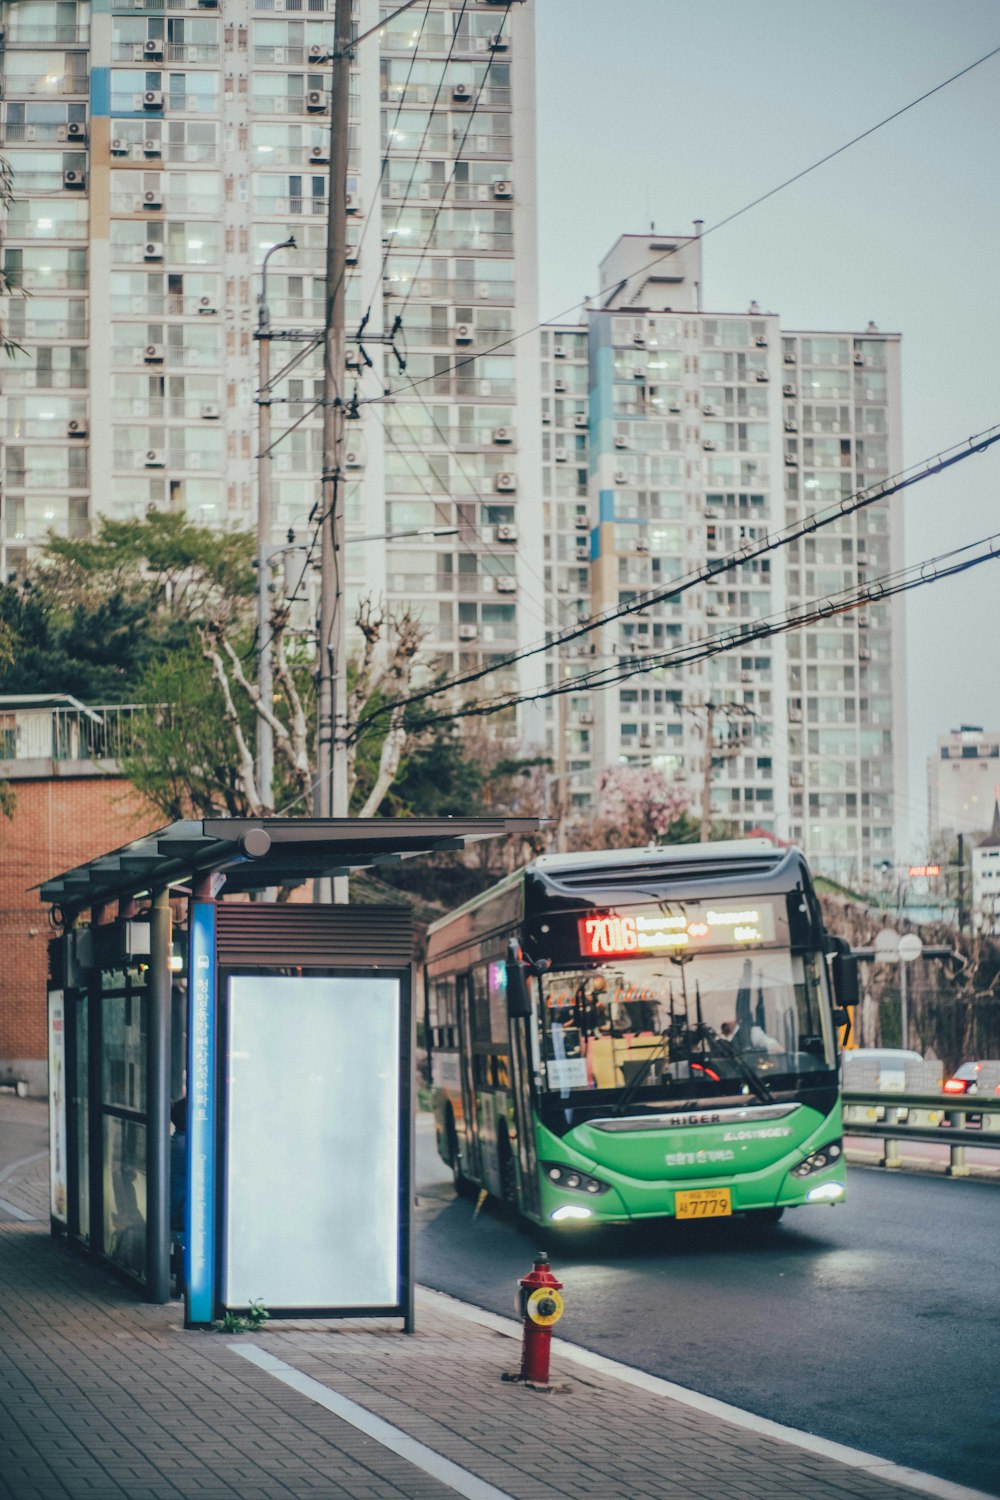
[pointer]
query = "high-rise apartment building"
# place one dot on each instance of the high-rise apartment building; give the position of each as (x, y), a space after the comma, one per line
(698, 433)
(159, 148)
(962, 783)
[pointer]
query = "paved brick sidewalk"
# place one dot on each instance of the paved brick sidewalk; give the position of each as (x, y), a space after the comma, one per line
(103, 1396)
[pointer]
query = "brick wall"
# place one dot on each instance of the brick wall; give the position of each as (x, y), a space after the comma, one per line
(58, 823)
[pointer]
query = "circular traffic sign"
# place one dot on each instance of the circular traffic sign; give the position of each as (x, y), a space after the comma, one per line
(887, 944)
(910, 947)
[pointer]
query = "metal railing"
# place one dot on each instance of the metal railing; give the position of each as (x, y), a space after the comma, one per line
(940, 1119)
(63, 734)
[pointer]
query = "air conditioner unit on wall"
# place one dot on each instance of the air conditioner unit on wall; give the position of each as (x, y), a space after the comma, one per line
(152, 250)
(155, 458)
(505, 484)
(152, 99)
(316, 101)
(507, 533)
(506, 585)
(467, 632)
(153, 354)
(502, 435)
(76, 428)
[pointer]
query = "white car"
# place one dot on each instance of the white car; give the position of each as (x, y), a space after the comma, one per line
(882, 1068)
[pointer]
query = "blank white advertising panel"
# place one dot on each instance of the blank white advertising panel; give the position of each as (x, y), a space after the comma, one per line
(312, 1142)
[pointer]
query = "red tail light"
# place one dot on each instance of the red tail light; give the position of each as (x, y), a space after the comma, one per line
(956, 1086)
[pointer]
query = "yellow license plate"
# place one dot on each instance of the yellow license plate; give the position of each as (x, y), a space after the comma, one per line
(703, 1203)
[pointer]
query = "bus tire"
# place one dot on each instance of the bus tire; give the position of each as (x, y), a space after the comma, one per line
(463, 1186)
(508, 1179)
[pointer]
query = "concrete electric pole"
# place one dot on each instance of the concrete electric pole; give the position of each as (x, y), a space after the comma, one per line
(331, 767)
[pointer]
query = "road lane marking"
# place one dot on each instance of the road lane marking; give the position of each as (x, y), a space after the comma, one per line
(854, 1458)
(418, 1454)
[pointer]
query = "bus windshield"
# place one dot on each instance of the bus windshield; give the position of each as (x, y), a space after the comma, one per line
(710, 1023)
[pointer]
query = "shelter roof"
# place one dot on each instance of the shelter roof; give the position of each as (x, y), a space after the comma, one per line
(254, 853)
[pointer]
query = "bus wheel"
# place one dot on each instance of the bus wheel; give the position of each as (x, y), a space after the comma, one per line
(508, 1179)
(463, 1187)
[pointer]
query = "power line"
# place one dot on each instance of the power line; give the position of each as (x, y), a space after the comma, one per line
(890, 585)
(748, 552)
(388, 146)
(494, 46)
(420, 149)
(577, 307)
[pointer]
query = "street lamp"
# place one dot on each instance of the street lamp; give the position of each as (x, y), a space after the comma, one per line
(265, 736)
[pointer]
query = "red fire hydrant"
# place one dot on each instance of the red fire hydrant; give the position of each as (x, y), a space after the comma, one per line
(540, 1303)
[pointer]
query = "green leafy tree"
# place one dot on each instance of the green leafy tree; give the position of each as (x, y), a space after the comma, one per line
(163, 613)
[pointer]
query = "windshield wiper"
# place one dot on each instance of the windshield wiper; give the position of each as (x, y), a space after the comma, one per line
(641, 1074)
(726, 1049)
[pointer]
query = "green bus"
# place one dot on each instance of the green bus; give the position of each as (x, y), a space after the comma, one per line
(642, 1034)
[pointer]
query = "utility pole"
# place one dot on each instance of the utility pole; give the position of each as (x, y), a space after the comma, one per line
(331, 761)
(714, 752)
(265, 683)
(706, 778)
(961, 882)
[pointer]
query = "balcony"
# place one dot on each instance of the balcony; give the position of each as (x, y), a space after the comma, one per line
(159, 408)
(38, 733)
(58, 35)
(50, 86)
(171, 52)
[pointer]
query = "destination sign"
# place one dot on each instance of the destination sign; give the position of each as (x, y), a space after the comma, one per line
(614, 935)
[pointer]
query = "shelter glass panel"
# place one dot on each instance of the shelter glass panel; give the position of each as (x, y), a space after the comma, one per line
(125, 1193)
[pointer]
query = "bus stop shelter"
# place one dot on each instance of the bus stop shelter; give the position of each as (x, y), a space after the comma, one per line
(231, 1079)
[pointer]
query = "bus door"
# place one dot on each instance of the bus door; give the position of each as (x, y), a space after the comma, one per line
(469, 1132)
(521, 1083)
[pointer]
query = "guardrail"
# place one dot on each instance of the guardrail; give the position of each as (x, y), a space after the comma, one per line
(945, 1121)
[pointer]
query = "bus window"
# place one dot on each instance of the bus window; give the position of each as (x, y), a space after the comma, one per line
(482, 1032)
(666, 1019)
(443, 1015)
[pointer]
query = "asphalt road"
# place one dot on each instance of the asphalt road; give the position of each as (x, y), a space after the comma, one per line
(876, 1323)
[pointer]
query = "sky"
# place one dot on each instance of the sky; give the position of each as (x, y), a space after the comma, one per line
(652, 111)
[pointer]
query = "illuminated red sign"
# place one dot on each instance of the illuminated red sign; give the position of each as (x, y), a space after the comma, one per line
(925, 870)
(610, 935)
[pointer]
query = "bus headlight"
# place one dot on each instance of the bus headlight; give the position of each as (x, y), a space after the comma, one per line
(562, 1176)
(818, 1160)
(826, 1192)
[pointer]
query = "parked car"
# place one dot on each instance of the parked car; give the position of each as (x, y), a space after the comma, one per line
(981, 1077)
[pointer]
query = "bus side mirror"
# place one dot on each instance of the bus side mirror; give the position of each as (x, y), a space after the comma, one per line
(518, 999)
(845, 973)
